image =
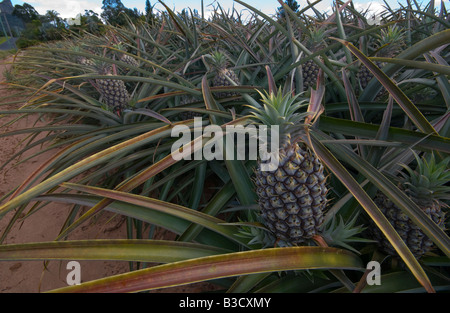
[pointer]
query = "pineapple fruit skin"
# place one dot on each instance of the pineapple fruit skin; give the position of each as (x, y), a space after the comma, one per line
(411, 234)
(220, 80)
(129, 60)
(114, 93)
(292, 198)
(310, 71)
(188, 115)
(365, 76)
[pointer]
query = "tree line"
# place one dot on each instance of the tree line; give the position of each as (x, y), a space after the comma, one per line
(50, 26)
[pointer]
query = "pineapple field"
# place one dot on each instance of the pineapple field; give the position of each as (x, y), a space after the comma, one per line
(361, 109)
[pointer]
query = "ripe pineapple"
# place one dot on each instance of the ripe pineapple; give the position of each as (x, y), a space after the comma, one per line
(427, 186)
(390, 43)
(113, 91)
(310, 69)
(220, 66)
(293, 196)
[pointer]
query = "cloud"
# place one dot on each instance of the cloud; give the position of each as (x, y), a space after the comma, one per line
(67, 8)
(372, 7)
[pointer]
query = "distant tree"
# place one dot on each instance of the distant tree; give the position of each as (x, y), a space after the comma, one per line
(114, 10)
(149, 14)
(111, 10)
(53, 17)
(26, 12)
(148, 8)
(293, 5)
(89, 22)
(112, 4)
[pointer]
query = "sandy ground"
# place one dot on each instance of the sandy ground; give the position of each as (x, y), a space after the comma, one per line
(45, 224)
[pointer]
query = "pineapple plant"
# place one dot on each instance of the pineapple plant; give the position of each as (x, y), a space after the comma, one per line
(390, 43)
(292, 197)
(314, 42)
(427, 186)
(113, 92)
(220, 66)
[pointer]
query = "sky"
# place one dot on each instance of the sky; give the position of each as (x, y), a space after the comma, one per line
(70, 8)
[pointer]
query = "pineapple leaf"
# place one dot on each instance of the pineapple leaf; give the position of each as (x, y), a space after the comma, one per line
(369, 206)
(341, 233)
(224, 265)
(410, 109)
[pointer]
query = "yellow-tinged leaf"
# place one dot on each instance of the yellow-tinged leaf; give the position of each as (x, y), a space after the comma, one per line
(220, 266)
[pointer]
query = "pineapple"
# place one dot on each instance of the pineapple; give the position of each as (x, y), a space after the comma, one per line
(86, 62)
(220, 66)
(128, 59)
(390, 43)
(292, 197)
(113, 91)
(310, 70)
(188, 115)
(82, 59)
(428, 187)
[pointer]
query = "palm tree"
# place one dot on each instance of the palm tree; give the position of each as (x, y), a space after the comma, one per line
(53, 17)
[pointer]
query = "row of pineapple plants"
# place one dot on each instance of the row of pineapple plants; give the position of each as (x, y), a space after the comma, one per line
(363, 171)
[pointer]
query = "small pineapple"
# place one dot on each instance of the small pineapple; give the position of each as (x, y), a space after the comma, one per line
(126, 58)
(365, 76)
(82, 59)
(220, 66)
(113, 91)
(86, 62)
(292, 197)
(310, 70)
(427, 186)
(188, 115)
(390, 43)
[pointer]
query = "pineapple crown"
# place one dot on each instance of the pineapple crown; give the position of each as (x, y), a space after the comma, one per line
(102, 67)
(391, 40)
(279, 109)
(429, 181)
(219, 60)
(315, 38)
